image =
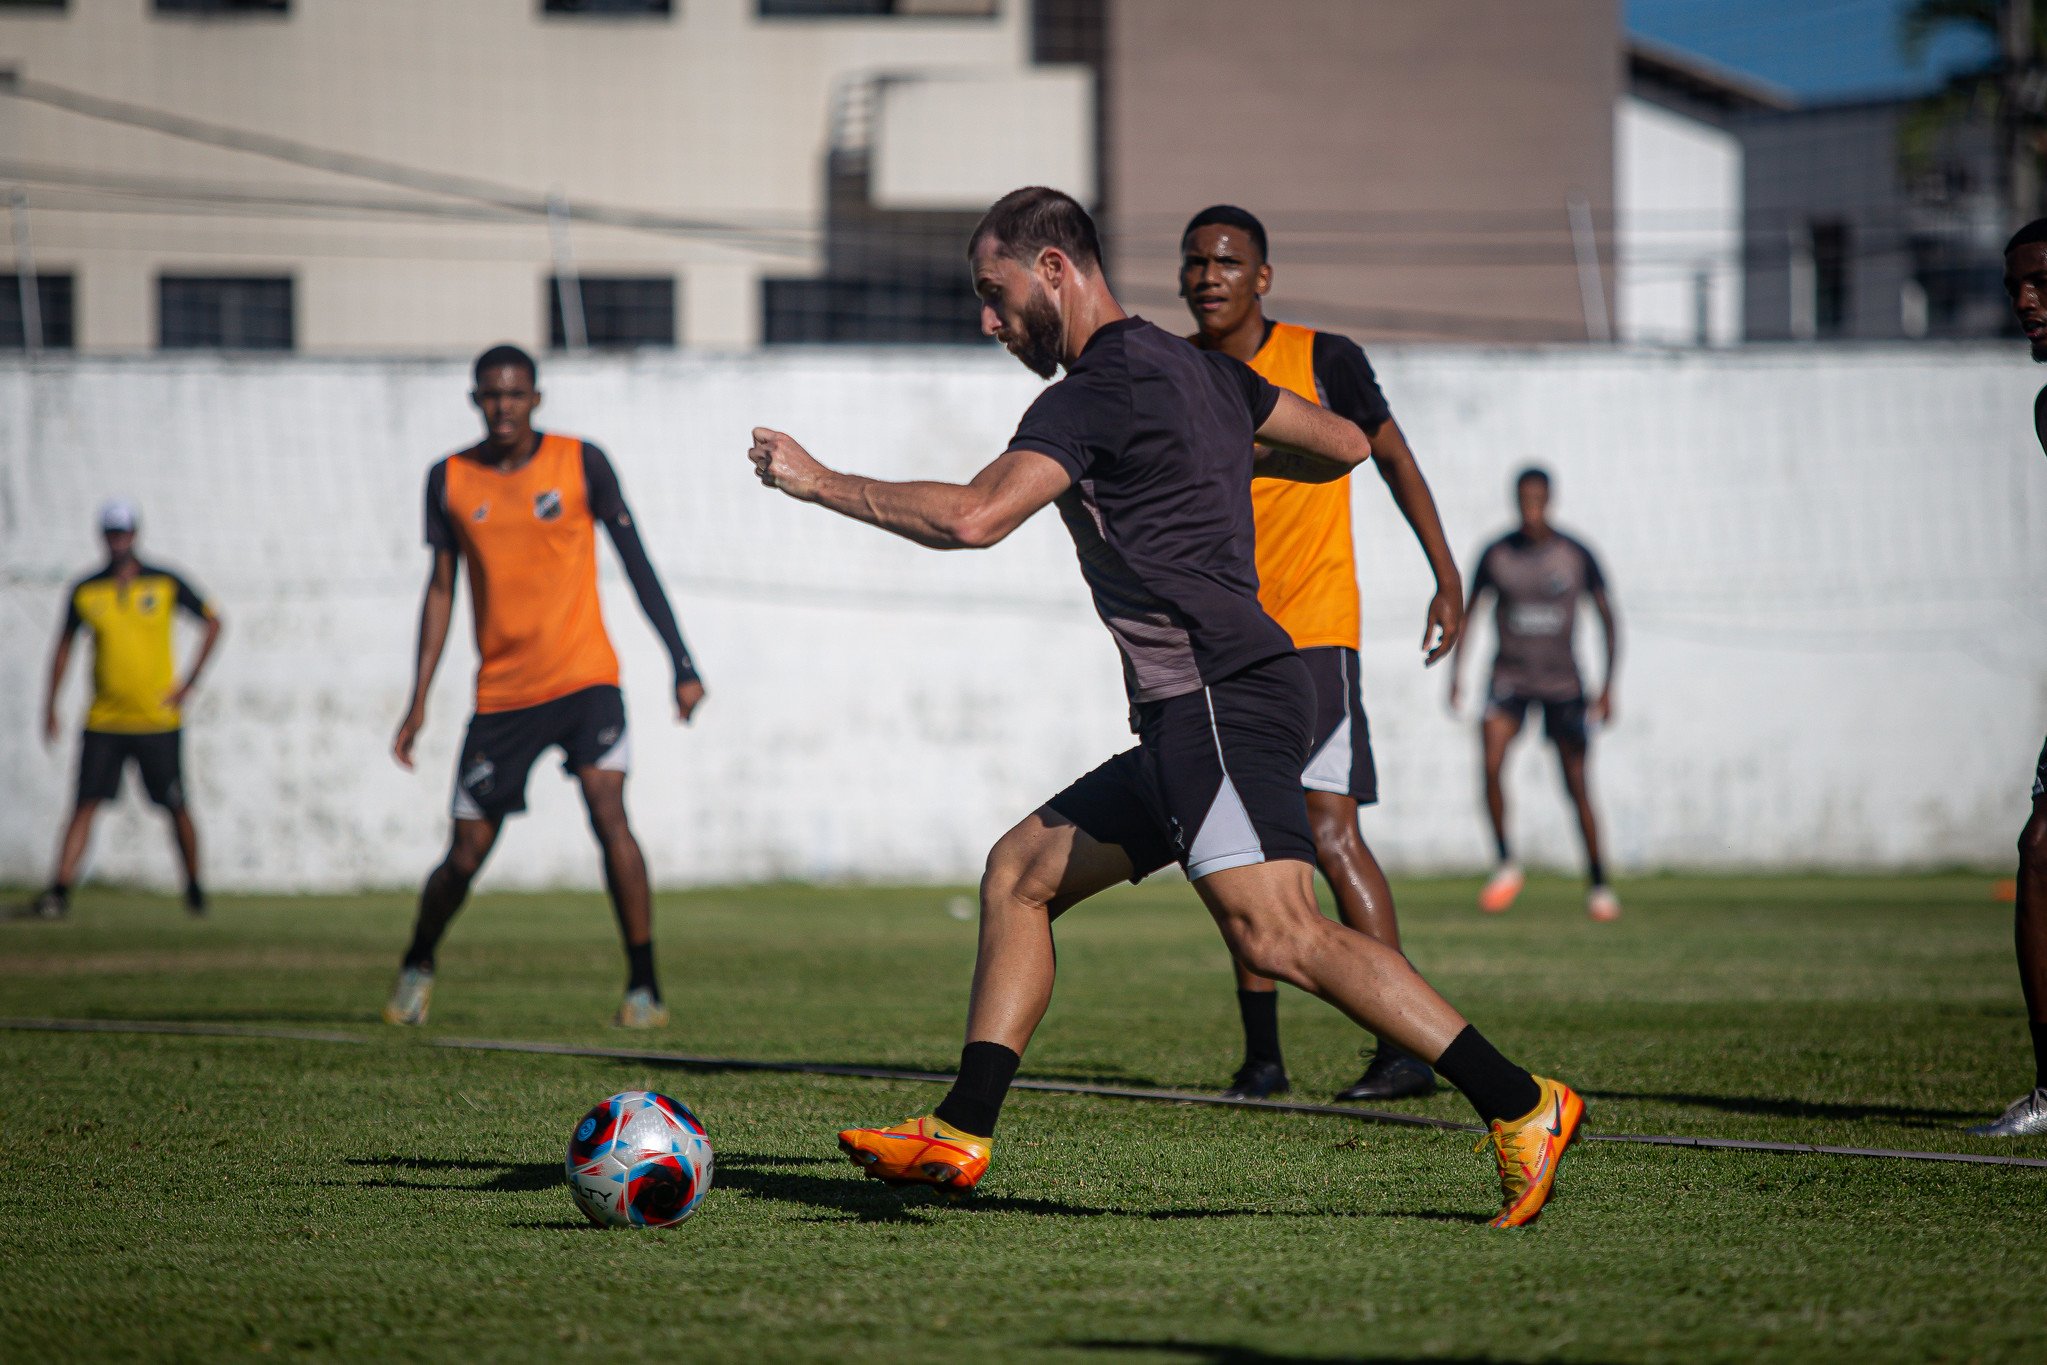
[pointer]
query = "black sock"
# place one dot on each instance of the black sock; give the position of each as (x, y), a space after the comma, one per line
(2039, 1028)
(420, 952)
(639, 959)
(195, 896)
(62, 891)
(1260, 1012)
(975, 1100)
(1496, 1087)
(1596, 870)
(1500, 842)
(439, 899)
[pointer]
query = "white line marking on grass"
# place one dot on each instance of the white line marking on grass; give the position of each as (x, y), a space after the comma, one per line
(882, 1073)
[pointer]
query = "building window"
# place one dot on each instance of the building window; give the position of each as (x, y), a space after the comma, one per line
(656, 7)
(919, 312)
(843, 9)
(223, 6)
(618, 310)
(224, 313)
(53, 295)
(1830, 277)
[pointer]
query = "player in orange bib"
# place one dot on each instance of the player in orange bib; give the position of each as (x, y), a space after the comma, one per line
(1308, 582)
(521, 509)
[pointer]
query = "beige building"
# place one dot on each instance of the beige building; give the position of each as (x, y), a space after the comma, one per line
(351, 176)
(356, 176)
(1416, 162)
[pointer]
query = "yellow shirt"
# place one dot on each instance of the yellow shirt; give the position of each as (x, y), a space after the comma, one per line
(133, 668)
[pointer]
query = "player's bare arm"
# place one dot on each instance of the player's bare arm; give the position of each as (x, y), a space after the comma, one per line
(183, 691)
(1410, 490)
(60, 663)
(1457, 649)
(943, 516)
(436, 609)
(1306, 443)
(1602, 705)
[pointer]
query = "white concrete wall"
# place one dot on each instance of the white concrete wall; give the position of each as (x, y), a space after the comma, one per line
(1677, 220)
(1828, 561)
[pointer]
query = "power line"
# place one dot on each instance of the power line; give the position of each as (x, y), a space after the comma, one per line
(293, 152)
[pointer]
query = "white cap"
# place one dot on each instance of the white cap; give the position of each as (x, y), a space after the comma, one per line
(117, 514)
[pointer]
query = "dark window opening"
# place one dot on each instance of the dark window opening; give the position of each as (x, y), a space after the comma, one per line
(905, 9)
(224, 313)
(223, 6)
(1830, 277)
(655, 7)
(617, 311)
(876, 311)
(53, 294)
(1069, 31)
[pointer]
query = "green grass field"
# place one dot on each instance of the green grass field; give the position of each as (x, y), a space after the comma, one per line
(199, 1197)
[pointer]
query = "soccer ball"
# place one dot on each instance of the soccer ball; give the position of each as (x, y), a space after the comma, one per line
(639, 1160)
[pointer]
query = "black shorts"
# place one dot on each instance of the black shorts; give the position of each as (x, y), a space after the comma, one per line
(1563, 722)
(1215, 779)
(1340, 760)
(159, 757)
(502, 747)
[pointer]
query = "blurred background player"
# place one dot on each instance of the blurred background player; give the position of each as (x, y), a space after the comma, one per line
(1308, 582)
(1537, 574)
(521, 508)
(2025, 280)
(1146, 446)
(138, 704)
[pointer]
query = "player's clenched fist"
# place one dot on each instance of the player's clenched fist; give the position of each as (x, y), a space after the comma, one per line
(783, 464)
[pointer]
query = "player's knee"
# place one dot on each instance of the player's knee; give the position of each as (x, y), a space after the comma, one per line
(1336, 835)
(1278, 946)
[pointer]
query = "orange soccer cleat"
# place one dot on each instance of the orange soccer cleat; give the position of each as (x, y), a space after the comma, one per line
(920, 1151)
(1530, 1149)
(1500, 891)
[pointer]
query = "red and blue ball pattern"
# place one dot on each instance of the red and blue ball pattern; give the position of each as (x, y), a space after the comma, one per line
(639, 1159)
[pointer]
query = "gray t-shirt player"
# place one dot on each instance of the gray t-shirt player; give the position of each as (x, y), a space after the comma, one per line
(1538, 583)
(1157, 437)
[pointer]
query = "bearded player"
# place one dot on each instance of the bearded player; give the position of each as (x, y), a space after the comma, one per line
(1146, 446)
(1308, 583)
(2025, 280)
(521, 509)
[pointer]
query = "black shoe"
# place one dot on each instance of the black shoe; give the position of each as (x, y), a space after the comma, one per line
(195, 902)
(1257, 1081)
(48, 906)
(1392, 1075)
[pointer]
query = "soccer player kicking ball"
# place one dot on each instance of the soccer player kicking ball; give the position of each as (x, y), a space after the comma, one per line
(1147, 448)
(522, 508)
(2025, 280)
(1308, 583)
(138, 704)
(1537, 574)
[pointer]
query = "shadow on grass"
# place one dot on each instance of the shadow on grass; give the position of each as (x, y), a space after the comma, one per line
(870, 1201)
(512, 1177)
(1220, 1353)
(714, 1067)
(1765, 1106)
(231, 1015)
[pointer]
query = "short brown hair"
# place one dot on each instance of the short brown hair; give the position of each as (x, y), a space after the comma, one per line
(1026, 221)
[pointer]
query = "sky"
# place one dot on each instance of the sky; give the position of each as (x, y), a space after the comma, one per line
(1819, 50)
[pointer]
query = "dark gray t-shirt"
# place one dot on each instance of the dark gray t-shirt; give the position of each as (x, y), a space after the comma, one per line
(1538, 584)
(1157, 437)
